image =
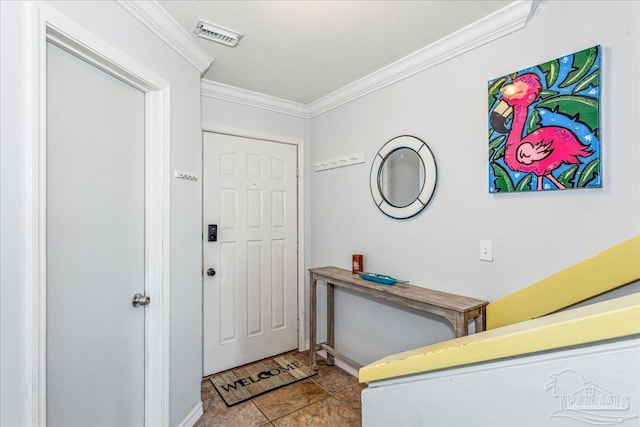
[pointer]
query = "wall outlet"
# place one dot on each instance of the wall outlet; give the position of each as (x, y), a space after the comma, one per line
(486, 250)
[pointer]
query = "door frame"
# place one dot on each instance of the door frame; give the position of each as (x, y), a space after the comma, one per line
(299, 144)
(48, 25)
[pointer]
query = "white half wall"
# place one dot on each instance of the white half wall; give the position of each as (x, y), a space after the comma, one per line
(592, 385)
(112, 24)
(534, 235)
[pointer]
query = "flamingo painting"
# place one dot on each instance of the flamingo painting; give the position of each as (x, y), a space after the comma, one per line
(543, 150)
(544, 125)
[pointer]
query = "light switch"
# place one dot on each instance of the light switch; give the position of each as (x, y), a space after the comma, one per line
(486, 250)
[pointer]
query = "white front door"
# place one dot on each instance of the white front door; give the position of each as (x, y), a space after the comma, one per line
(95, 246)
(250, 304)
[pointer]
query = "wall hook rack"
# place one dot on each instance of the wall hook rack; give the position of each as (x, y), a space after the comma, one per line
(348, 160)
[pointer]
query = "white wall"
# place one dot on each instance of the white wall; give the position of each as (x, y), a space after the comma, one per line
(534, 235)
(13, 132)
(244, 117)
(114, 25)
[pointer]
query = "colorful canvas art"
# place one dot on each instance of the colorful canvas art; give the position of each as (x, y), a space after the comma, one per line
(544, 126)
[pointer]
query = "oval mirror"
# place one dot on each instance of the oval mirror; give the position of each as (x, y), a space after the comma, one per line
(403, 177)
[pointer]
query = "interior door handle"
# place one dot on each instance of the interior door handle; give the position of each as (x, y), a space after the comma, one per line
(139, 299)
(211, 272)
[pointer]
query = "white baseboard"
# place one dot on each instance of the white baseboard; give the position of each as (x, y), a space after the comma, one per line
(192, 417)
(339, 363)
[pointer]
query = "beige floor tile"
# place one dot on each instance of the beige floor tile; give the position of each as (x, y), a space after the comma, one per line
(327, 412)
(207, 390)
(218, 414)
(333, 379)
(285, 400)
(351, 397)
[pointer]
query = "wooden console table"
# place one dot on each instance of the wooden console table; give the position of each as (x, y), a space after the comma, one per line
(456, 309)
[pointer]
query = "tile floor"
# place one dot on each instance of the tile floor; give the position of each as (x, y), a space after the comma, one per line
(330, 398)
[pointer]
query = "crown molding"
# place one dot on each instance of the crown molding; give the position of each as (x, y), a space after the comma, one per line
(236, 95)
(152, 15)
(510, 18)
(507, 20)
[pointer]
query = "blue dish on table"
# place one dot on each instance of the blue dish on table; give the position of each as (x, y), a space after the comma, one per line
(378, 278)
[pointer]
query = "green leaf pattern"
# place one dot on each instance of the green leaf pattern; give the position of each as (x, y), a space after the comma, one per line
(583, 108)
(525, 183)
(592, 79)
(503, 181)
(582, 63)
(589, 173)
(550, 70)
(566, 177)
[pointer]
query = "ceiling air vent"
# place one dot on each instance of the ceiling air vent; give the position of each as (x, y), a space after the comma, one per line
(217, 34)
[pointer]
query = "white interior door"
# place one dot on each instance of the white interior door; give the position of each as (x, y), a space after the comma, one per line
(250, 304)
(95, 246)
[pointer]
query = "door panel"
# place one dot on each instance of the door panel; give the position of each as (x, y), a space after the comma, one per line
(95, 246)
(254, 289)
(250, 305)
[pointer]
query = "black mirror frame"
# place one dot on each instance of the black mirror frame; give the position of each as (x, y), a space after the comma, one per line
(428, 188)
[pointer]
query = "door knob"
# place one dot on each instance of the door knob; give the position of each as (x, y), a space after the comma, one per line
(139, 299)
(211, 272)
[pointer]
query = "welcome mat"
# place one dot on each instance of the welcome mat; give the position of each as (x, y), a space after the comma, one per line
(240, 384)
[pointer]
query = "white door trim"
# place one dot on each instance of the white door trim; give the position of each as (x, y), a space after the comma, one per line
(299, 143)
(48, 25)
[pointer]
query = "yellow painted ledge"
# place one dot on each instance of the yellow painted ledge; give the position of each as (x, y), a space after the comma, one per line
(610, 269)
(615, 318)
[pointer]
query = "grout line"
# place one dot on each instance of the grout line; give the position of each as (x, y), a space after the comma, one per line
(299, 409)
(265, 415)
(350, 409)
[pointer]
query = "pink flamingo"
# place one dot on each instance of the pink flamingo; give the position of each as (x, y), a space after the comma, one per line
(541, 151)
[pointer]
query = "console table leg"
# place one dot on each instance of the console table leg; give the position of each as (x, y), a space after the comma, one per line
(480, 322)
(330, 324)
(312, 323)
(461, 325)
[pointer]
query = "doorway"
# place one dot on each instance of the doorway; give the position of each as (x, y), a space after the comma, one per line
(74, 43)
(95, 245)
(250, 286)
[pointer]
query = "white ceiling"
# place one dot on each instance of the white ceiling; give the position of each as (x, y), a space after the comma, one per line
(303, 50)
